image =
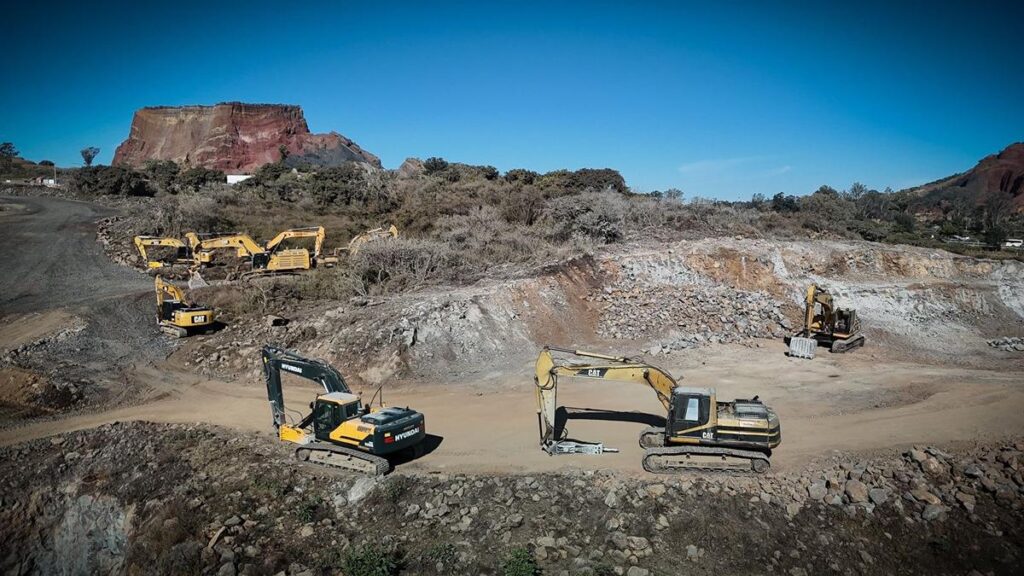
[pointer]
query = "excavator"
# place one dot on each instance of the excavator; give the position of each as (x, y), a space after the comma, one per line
(318, 235)
(183, 253)
(260, 259)
(339, 430)
(375, 235)
(175, 315)
(825, 324)
(700, 431)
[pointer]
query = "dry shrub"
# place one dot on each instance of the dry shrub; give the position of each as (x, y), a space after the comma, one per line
(402, 264)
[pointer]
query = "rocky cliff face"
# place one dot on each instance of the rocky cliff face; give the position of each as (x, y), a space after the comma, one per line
(232, 137)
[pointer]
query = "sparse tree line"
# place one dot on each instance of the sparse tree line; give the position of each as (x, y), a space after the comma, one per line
(460, 221)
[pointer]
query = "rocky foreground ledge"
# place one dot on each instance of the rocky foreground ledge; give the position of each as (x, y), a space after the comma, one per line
(175, 499)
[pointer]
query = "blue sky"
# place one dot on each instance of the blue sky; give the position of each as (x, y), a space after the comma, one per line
(720, 99)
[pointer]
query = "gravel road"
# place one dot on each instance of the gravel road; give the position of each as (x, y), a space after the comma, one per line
(54, 268)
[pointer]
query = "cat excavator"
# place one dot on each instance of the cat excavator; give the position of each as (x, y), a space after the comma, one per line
(825, 324)
(318, 235)
(260, 259)
(339, 430)
(182, 255)
(175, 315)
(700, 431)
(374, 235)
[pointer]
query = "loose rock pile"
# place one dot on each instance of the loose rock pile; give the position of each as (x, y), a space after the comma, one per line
(678, 317)
(206, 501)
(1008, 344)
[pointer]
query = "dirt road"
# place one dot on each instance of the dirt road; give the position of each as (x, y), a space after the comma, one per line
(51, 258)
(56, 279)
(834, 403)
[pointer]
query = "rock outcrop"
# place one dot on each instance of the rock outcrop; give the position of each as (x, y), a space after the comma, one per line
(233, 137)
(1001, 173)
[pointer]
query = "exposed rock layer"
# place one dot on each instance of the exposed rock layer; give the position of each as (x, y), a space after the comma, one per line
(232, 137)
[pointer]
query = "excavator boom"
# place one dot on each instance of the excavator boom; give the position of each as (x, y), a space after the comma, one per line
(549, 368)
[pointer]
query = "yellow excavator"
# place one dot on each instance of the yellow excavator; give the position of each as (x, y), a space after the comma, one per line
(825, 324)
(375, 235)
(260, 260)
(318, 235)
(182, 254)
(340, 430)
(700, 431)
(175, 315)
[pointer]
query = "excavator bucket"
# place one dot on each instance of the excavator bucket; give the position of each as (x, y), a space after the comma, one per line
(802, 347)
(195, 280)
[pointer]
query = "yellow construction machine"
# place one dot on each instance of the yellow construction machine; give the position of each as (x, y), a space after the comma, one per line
(318, 235)
(182, 252)
(825, 324)
(259, 259)
(339, 430)
(700, 431)
(175, 315)
(375, 235)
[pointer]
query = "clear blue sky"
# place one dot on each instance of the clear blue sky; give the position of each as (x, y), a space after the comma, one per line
(720, 99)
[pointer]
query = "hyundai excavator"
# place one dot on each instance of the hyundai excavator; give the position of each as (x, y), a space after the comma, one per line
(175, 315)
(825, 324)
(700, 431)
(339, 430)
(182, 255)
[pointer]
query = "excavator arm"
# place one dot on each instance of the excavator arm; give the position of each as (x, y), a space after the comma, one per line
(819, 296)
(168, 291)
(246, 246)
(277, 359)
(357, 242)
(315, 232)
(621, 369)
(143, 242)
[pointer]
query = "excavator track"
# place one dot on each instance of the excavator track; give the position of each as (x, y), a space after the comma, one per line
(677, 459)
(341, 457)
(840, 346)
(652, 437)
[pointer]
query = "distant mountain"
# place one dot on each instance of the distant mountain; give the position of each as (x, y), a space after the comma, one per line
(996, 174)
(232, 137)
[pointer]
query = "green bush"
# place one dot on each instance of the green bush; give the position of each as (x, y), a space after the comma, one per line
(434, 165)
(369, 560)
(162, 173)
(562, 182)
(518, 562)
(195, 178)
(110, 180)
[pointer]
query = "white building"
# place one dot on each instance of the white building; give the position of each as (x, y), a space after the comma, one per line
(236, 178)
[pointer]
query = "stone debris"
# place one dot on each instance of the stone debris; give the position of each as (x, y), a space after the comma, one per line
(234, 504)
(1008, 344)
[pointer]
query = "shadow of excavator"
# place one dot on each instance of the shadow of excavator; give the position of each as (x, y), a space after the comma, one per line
(565, 413)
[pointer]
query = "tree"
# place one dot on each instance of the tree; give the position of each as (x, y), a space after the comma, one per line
(434, 165)
(46, 163)
(7, 154)
(283, 150)
(785, 203)
(88, 154)
(998, 207)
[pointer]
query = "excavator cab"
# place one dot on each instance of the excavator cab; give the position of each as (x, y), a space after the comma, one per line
(332, 410)
(691, 411)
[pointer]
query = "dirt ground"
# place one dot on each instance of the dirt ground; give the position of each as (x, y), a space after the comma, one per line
(850, 403)
(860, 402)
